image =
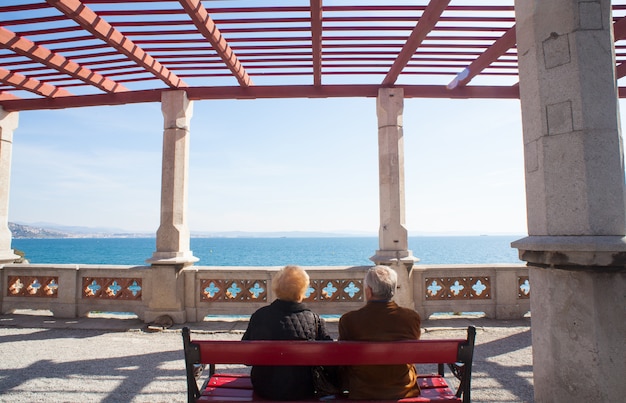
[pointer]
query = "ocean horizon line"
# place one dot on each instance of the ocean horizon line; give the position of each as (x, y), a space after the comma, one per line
(264, 235)
(50, 230)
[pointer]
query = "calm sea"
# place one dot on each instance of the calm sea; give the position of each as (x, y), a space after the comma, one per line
(270, 251)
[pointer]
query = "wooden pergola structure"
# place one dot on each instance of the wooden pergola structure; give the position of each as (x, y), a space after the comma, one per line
(70, 53)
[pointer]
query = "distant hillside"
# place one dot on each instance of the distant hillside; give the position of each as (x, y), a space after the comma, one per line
(25, 231)
(50, 230)
(59, 231)
(75, 229)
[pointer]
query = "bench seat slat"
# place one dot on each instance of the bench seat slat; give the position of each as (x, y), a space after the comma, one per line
(227, 387)
(329, 353)
(221, 389)
(418, 399)
(431, 381)
(228, 392)
(230, 381)
(239, 381)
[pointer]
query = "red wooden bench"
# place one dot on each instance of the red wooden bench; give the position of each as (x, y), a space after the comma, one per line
(224, 387)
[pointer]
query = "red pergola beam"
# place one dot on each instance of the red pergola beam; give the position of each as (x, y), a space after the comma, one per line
(619, 29)
(25, 47)
(102, 30)
(202, 20)
(426, 23)
(316, 40)
(619, 32)
(620, 71)
(261, 92)
(5, 96)
(499, 47)
(29, 84)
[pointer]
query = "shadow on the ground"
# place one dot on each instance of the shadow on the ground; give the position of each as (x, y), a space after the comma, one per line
(127, 375)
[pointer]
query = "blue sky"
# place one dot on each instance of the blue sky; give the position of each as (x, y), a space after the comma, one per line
(273, 165)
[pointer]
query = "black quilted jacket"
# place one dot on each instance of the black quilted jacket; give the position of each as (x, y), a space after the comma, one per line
(283, 320)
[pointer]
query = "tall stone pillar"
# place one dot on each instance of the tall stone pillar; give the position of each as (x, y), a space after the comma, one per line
(8, 124)
(576, 250)
(392, 235)
(172, 241)
(173, 234)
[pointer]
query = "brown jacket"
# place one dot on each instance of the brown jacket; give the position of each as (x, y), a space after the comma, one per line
(380, 321)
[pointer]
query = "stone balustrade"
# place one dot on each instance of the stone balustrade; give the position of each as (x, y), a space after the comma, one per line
(499, 290)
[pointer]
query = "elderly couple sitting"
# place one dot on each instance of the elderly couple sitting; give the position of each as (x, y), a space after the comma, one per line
(381, 319)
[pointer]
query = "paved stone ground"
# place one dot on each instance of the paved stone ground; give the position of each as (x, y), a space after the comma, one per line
(105, 359)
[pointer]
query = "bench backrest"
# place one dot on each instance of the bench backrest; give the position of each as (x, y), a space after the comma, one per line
(327, 353)
(295, 352)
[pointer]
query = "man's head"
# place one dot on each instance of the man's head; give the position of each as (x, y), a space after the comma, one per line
(290, 284)
(381, 283)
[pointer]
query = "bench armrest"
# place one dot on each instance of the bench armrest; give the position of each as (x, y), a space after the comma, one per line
(192, 356)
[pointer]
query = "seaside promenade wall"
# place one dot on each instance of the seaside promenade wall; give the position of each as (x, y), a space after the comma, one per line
(501, 291)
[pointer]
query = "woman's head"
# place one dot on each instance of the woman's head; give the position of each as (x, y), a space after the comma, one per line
(290, 284)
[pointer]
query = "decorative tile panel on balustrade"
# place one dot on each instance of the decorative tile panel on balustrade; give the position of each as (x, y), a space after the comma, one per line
(458, 288)
(112, 288)
(233, 290)
(25, 286)
(500, 291)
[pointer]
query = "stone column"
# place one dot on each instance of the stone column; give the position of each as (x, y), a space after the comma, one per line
(576, 250)
(392, 235)
(8, 124)
(173, 234)
(166, 286)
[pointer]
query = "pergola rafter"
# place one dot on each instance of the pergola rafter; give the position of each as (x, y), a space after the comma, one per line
(424, 26)
(493, 53)
(29, 84)
(206, 26)
(316, 40)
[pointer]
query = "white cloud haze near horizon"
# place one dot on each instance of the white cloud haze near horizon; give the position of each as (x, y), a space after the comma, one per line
(273, 165)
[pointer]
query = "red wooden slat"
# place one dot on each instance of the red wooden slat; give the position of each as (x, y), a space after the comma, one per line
(234, 387)
(330, 353)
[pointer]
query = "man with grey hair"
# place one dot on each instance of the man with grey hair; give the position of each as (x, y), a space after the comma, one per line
(380, 319)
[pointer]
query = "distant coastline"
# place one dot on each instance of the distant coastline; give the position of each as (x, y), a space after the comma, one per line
(55, 231)
(23, 231)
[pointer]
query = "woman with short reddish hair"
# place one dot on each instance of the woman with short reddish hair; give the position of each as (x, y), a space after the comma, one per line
(287, 318)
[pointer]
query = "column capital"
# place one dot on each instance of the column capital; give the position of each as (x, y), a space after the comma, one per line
(177, 109)
(389, 107)
(8, 123)
(391, 257)
(589, 252)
